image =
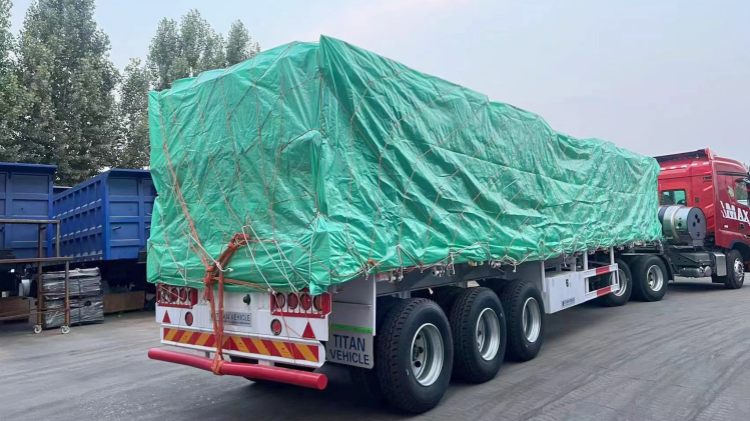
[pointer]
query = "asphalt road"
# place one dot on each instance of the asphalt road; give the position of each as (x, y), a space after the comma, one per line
(687, 357)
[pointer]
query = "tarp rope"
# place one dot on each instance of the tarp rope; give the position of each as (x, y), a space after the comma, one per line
(214, 272)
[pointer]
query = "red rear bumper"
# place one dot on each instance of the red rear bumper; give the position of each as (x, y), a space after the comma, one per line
(252, 371)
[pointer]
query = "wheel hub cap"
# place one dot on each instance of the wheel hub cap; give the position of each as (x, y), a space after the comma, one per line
(531, 319)
(655, 278)
(427, 354)
(487, 334)
(739, 269)
(623, 283)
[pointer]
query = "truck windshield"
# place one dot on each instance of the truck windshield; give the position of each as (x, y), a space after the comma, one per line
(673, 197)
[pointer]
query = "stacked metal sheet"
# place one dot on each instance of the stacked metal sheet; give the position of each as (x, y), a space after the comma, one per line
(81, 283)
(86, 299)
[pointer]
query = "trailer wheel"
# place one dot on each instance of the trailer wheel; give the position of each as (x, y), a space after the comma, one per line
(621, 296)
(479, 336)
(414, 355)
(649, 278)
(524, 311)
(735, 271)
(446, 296)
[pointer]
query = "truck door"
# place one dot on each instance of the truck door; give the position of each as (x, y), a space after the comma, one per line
(733, 216)
(741, 187)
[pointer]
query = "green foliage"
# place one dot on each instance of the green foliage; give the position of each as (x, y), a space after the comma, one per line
(184, 49)
(66, 71)
(191, 46)
(12, 98)
(164, 54)
(240, 45)
(194, 31)
(57, 85)
(133, 143)
(213, 52)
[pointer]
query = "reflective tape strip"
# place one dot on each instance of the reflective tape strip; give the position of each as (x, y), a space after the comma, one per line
(260, 347)
(308, 352)
(282, 349)
(240, 344)
(603, 291)
(203, 339)
(598, 271)
(604, 269)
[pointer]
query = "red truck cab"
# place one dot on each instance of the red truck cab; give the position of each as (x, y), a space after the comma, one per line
(719, 187)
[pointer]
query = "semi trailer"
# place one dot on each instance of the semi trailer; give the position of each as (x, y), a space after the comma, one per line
(320, 204)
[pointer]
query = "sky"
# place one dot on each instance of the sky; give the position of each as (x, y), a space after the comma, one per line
(656, 77)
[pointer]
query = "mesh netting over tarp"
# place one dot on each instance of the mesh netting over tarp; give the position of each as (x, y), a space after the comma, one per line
(337, 162)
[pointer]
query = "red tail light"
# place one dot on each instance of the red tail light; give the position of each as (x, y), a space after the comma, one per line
(292, 301)
(276, 327)
(322, 303)
(173, 296)
(279, 301)
(300, 304)
(306, 301)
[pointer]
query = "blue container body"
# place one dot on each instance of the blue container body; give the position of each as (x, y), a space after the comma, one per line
(107, 217)
(25, 193)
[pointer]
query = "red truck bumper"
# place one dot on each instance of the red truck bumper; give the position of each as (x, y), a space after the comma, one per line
(252, 371)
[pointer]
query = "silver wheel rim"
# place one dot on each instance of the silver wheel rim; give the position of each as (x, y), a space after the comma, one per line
(623, 283)
(531, 319)
(427, 354)
(655, 278)
(739, 269)
(487, 334)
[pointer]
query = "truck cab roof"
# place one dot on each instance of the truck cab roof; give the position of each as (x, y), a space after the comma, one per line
(694, 163)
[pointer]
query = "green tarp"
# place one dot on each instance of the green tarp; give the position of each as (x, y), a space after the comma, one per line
(337, 162)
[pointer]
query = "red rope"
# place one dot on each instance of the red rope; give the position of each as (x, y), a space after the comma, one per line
(215, 276)
(214, 272)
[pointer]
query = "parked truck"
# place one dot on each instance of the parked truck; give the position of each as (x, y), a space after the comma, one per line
(320, 204)
(705, 217)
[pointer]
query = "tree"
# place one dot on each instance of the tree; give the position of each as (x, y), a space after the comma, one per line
(192, 46)
(66, 71)
(194, 31)
(12, 98)
(164, 57)
(213, 52)
(133, 139)
(240, 45)
(184, 49)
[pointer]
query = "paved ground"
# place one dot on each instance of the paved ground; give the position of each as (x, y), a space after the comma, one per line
(687, 357)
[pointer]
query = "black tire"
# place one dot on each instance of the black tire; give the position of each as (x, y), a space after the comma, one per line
(393, 356)
(445, 296)
(650, 278)
(469, 362)
(496, 285)
(516, 298)
(735, 275)
(622, 296)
